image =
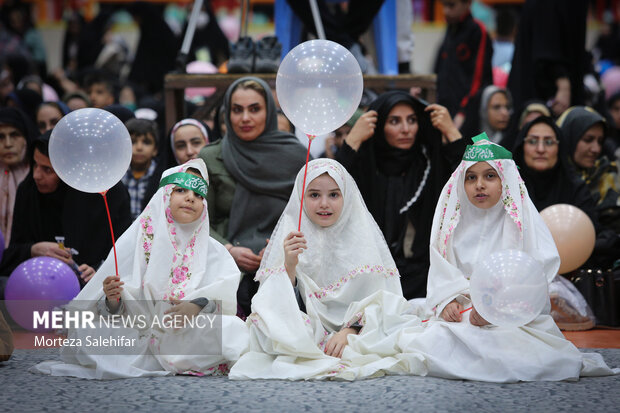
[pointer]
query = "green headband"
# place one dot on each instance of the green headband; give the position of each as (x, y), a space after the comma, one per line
(187, 181)
(485, 152)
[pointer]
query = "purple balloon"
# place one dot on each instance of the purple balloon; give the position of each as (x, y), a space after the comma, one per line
(1, 245)
(39, 284)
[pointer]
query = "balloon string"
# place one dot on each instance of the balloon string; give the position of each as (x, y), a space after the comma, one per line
(467, 309)
(303, 187)
(105, 199)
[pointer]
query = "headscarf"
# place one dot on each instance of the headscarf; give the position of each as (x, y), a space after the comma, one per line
(10, 178)
(344, 262)
(495, 136)
(263, 170)
(346, 275)
(531, 107)
(402, 186)
(160, 259)
(574, 123)
(204, 130)
(463, 234)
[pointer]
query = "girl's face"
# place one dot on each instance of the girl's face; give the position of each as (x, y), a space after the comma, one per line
(185, 205)
(188, 141)
(248, 114)
(589, 147)
(401, 126)
(482, 185)
(323, 201)
(47, 117)
(12, 145)
(498, 111)
(540, 148)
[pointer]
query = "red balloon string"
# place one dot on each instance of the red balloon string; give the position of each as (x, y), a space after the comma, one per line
(105, 199)
(303, 187)
(467, 309)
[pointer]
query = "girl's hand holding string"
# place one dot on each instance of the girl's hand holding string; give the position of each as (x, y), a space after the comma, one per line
(335, 346)
(294, 244)
(476, 319)
(112, 287)
(452, 312)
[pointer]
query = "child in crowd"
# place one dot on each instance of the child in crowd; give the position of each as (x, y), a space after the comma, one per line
(101, 90)
(142, 177)
(168, 265)
(330, 301)
(463, 65)
(485, 208)
(187, 138)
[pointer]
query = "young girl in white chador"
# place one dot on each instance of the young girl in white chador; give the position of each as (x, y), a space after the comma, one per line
(485, 208)
(168, 266)
(330, 299)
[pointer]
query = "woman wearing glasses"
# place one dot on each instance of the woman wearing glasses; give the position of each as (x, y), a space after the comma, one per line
(543, 155)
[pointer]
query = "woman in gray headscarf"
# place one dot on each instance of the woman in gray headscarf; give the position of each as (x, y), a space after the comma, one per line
(495, 112)
(252, 171)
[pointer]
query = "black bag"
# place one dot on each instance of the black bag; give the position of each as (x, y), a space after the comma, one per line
(600, 289)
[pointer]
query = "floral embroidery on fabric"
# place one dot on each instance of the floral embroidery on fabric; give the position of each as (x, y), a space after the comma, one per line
(180, 273)
(328, 165)
(510, 205)
(452, 223)
(337, 370)
(324, 340)
(378, 269)
(220, 370)
(265, 273)
(146, 223)
(357, 318)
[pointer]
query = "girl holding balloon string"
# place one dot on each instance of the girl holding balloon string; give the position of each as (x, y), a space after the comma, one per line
(330, 302)
(252, 169)
(168, 265)
(485, 208)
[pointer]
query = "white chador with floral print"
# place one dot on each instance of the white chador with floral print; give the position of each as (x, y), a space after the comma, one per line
(462, 236)
(345, 276)
(159, 260)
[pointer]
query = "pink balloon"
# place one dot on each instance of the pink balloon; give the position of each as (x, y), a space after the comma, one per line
(200, 68)
(39, 284)
(573, 233)
(610, 80)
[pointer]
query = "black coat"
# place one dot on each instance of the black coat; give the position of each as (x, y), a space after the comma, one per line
(550, 44)
(463, 67)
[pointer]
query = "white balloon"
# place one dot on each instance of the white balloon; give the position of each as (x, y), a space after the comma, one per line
(509, 288)
(90, 150)
(319, 86)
